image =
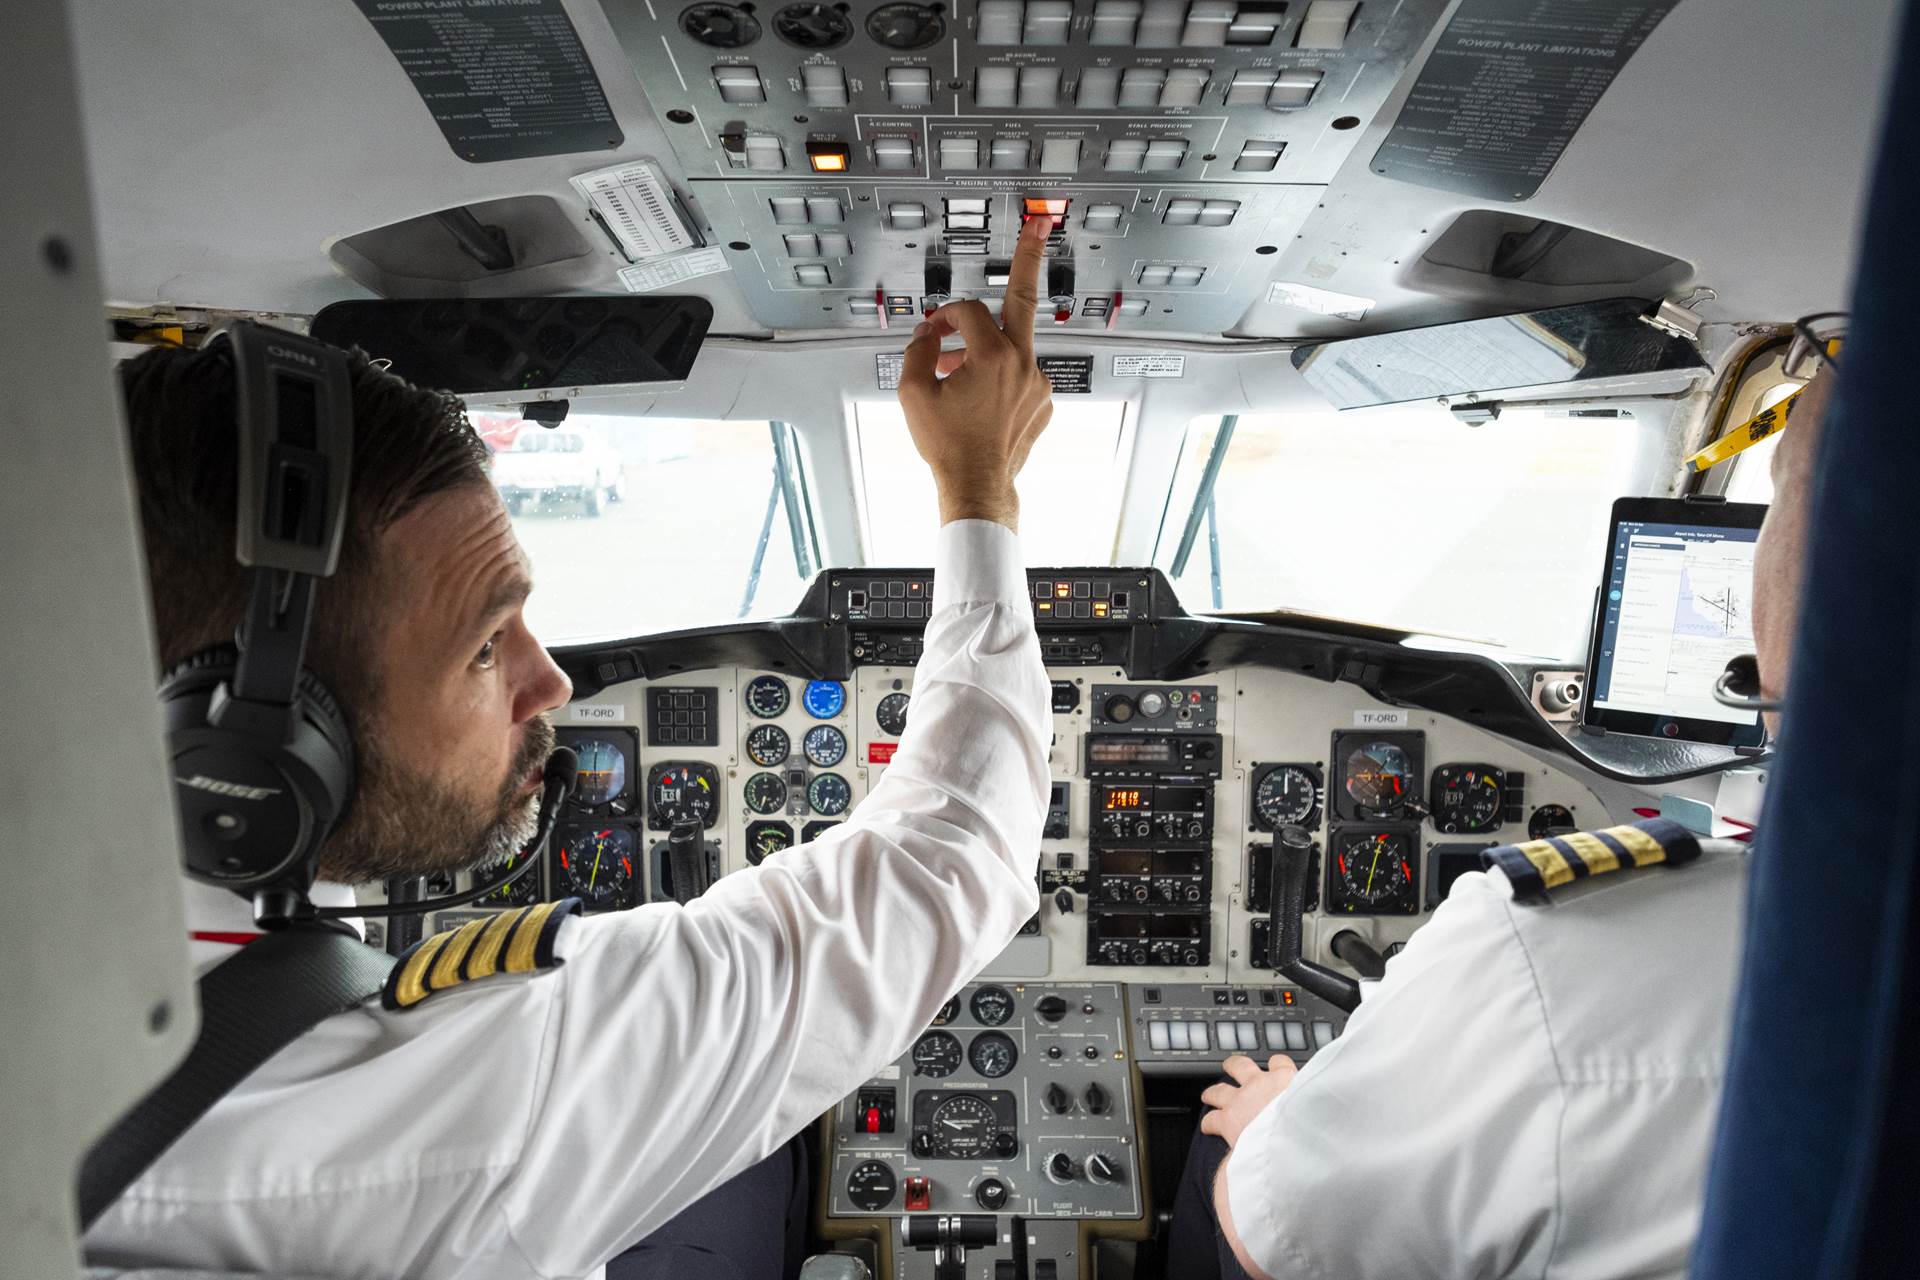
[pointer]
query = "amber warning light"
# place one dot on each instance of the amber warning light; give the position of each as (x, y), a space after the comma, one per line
(827, 157)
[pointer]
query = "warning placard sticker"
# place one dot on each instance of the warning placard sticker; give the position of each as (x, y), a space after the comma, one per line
(663, 273)
(1160, 366)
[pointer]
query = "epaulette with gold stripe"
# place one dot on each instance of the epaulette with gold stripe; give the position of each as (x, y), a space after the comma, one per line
(516, 941)
(1538, 866)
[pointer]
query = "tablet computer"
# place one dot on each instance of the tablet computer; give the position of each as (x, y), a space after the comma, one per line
(1675, 606)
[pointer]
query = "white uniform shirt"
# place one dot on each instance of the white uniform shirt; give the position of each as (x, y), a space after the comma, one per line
(535, 1125)
(1530, 1091)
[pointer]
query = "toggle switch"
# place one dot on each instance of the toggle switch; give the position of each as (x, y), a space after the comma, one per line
(996, 86)
(1040, 87)
(919, 1195)
(740, 84)
(1184, 87)
(1294, 88)
(1008, 153)
(824, 84)
(1161, 22)
(1099, 89)
(1047, 22)
(910, 86)
(1060, 155)
(1258, 157)
(959, 155)
(1126, 155)
(1060, 288)
(1102, 217)
(1250, 86)
(1256, 24)
(1114, 22)
(1206, 25)
(1326, 24)
(1181, 212)
(1140, 86)
(999, 22)
(938, 277)
(765, 152)
(893, 154)
(905, 215)
(1165, 154)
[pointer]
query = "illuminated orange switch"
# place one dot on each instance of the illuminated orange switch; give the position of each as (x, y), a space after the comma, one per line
(1054, 211)
(827, 155)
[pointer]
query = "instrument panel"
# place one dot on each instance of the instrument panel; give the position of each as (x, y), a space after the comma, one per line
(1149, 958)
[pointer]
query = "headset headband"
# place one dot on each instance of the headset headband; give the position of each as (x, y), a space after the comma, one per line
(296, 458)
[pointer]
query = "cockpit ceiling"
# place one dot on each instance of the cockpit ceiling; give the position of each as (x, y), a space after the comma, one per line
(277, 158)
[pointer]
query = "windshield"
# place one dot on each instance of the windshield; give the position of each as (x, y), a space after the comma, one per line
(636, 525)
(1069, 489)
(1406, 517)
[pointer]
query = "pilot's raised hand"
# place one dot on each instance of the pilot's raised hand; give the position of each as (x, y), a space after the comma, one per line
(976, 424)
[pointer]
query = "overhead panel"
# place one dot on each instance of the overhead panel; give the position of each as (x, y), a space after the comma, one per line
(1172, 144)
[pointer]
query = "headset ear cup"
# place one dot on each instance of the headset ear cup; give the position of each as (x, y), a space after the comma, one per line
(333, 764)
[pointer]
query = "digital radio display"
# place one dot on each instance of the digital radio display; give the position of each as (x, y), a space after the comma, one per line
(1118, 750)
(1122, 798)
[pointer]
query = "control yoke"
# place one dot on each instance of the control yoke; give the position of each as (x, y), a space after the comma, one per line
(1292, 860)
(687, 861)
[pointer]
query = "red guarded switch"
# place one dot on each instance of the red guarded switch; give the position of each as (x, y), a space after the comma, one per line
(871, 1121)
(919, 1194)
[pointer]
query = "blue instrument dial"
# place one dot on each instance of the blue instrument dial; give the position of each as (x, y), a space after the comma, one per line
(824, 699)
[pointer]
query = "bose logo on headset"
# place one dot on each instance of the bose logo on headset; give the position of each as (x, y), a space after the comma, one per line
(232, 790)
(298, 357)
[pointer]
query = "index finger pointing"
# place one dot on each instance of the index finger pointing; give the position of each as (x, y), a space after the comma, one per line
(1023, 284)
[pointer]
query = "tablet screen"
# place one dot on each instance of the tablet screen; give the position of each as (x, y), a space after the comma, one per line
(1676, 606)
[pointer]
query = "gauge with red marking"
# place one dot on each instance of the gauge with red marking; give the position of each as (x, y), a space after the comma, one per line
(1373, 873)
(1379, 778)
(595, 864)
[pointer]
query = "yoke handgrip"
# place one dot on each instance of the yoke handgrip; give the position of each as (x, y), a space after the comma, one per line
(1292, 863)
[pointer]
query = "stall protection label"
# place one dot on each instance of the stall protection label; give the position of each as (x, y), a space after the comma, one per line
(1149, 366)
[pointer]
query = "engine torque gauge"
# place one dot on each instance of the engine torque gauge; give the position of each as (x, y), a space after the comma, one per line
(768, 745)
(824, 745)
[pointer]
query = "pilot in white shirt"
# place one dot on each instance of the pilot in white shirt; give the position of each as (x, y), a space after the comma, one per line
(1530, 1090)
(538, 1124)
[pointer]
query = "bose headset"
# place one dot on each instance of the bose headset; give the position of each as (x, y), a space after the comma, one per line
(262, 757)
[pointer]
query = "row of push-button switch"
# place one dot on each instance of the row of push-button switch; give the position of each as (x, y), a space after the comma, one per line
(1191, 24)
(1039, 88)
(1239, 1036)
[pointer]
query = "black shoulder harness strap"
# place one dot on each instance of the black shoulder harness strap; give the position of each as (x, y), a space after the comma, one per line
(251, 1006)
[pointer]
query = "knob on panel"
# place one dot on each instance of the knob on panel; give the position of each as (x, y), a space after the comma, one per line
(1057, 1099)
(1051, 1008)
(991, 1194)
(1101, 1168)
(1060, 1167)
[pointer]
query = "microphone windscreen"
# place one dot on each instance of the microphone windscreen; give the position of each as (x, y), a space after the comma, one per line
(561, 767)
(1743, 676)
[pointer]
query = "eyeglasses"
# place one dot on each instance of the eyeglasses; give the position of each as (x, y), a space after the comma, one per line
(1816, 340)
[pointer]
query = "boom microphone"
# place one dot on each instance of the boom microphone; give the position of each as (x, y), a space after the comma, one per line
(556, 784)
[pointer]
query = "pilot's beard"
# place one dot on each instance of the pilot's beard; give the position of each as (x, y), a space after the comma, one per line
(406, 823)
